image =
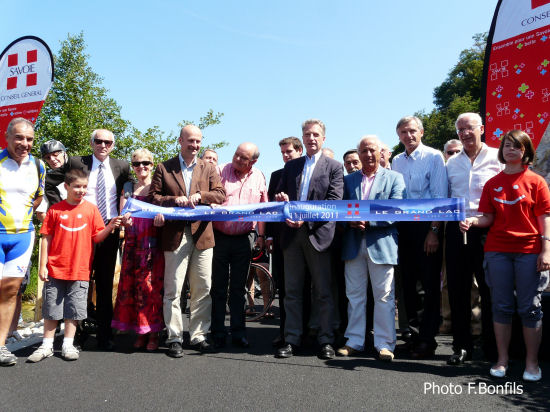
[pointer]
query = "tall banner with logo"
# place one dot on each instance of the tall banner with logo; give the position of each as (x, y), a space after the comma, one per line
(26, 76)
(517, 70)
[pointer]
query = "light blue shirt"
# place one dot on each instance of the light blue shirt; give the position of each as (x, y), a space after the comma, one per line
(424, 173)
(309, 166)
(187, 172)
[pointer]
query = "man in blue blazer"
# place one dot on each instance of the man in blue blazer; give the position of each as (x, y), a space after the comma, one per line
(370, 251)
(305, 245)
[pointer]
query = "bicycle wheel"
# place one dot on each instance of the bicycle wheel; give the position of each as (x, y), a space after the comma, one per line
(260, 289)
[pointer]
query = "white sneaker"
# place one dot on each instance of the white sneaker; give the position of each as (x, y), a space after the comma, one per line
(69, 353)
(6, 357)
(41, 353)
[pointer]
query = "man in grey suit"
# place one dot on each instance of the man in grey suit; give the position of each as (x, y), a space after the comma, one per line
(106, 179)
(311, 177)
(370, 251)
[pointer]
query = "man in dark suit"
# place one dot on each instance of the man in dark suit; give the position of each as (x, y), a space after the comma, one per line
(312, 177)
(370, 251)
(106, 179)
(291, 148)
(186, 181)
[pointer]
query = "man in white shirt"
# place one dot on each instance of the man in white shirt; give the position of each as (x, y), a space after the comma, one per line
(420, 251)
(468, 171)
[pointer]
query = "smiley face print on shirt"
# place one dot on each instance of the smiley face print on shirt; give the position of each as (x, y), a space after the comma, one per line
(505, 201)
(71, 226)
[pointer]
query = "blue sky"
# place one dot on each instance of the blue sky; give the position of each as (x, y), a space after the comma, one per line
(357, 65)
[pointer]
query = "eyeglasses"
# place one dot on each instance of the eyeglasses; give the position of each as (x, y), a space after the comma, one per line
(143, 163)
(467, 129)
(99, 142)
(452, 152)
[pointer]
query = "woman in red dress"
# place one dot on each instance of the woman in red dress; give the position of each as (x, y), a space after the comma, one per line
(139, 300)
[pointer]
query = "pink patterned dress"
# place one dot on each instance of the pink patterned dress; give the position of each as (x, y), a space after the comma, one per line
(139, 300)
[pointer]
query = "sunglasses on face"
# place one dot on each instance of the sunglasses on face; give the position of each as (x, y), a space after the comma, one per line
(452, 152)
(107, 143)
(143, 163)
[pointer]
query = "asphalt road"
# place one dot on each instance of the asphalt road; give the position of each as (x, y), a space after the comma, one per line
(254, 380)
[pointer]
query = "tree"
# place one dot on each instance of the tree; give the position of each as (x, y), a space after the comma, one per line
(460, 92)
(77, 103)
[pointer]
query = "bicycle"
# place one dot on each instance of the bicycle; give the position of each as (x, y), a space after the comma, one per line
(260, 290)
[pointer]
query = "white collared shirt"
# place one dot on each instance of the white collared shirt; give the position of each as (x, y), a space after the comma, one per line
(424, 173)
(110, 186)
(467, 180)
(187, 173)
(309, 167)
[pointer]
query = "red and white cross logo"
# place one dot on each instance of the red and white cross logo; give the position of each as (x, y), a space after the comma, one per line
(350, 212)
(13, 61)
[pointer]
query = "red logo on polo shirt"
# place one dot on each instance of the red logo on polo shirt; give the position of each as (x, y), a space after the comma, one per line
(27, 69)
(538, 3)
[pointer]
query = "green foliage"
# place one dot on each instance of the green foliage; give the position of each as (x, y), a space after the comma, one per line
(460, 92)
(77, 103)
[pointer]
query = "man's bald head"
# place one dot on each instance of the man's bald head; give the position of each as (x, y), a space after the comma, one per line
(244, 158)
(190, 141)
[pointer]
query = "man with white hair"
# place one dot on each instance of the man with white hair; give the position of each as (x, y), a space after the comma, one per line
(451, 147)
(468, 171)
(106, 179)
(385, 154)
(370, 251)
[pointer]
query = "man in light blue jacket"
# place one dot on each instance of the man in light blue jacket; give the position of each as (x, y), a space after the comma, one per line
(370, 251)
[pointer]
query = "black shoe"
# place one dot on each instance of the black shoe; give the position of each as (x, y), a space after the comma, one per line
(459, 357)
(423, 351)
(240, 342)
(105, 345)
(326, 352)
(406, 336)
(285, 351)
(175, 350)
(219, 342)
(203, 347)
(404, 348)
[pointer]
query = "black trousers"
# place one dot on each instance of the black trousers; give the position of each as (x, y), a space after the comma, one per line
(462, 263)
(416, 265)
(230, 265)
(104, 270)
(278, 273)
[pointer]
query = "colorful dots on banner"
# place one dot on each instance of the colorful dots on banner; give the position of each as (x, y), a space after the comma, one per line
(523, 88)
(520, 46)
(498, 133)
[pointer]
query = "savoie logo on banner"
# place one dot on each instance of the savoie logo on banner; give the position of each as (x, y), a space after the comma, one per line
(517, 70)
(26, 76)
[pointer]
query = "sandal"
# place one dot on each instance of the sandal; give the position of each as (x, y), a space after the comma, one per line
(249, 310)
(140, 342)
(153, 343)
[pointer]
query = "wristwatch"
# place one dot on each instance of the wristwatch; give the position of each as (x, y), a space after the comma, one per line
(434, 229)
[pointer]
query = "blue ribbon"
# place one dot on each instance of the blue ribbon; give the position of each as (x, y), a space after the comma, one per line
(447, 209)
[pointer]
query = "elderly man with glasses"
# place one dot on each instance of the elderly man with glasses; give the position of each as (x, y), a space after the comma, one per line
(467, 172)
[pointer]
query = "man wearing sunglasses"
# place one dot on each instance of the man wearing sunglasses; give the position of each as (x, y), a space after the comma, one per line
(106, 179)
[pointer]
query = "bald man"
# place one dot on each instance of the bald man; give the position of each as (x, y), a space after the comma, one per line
(244, 184)
(187, 181)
